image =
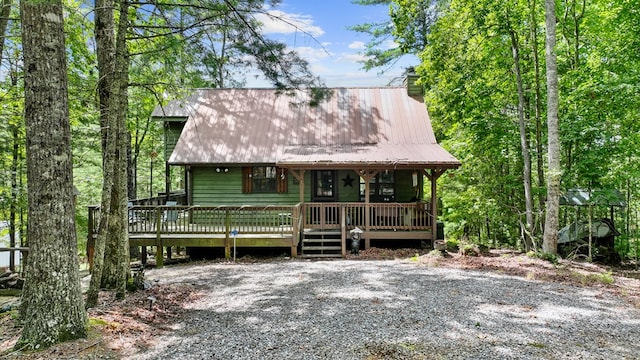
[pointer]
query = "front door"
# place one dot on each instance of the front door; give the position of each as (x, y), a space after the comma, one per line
(324, 189)
(324, 186)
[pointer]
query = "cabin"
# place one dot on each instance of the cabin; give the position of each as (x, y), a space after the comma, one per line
(265, 169)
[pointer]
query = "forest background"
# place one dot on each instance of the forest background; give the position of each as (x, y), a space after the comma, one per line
(482, 66)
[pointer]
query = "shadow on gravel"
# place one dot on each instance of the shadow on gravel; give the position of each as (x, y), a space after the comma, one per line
(389, 310)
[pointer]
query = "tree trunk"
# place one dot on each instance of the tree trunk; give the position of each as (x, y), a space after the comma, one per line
(554, 174)
(122, 82)
(4, 21)
(13, 208)
(104, 30)
(533, 26)
(117, 253)
(52, 308)
(524, 144)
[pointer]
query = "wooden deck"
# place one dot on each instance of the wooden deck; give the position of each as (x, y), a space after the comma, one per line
(267, 226)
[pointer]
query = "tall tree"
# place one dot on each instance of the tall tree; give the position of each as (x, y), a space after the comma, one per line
(52, 306)
(524, 139)
(554, 173)
(284, 68)
(15, 134)
(409, 24)
(477, 80)
(111, 267)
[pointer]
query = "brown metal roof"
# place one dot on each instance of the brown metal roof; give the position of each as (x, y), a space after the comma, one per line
(356, 126)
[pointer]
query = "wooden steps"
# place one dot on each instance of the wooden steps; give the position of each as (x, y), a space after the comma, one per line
(321, 244)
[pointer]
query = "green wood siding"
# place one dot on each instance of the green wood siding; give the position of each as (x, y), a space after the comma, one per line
(404, 186)
(348, 193)
(172, 130)
(211, 188)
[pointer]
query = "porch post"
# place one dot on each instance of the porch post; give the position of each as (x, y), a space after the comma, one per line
(295, 227)
(167, 180)
(433, 176)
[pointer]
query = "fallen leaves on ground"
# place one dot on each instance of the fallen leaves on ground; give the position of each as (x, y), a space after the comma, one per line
(116, 328)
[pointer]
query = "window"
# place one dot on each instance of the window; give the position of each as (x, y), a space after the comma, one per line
(324, 185)
(381, 188)
(264, 179)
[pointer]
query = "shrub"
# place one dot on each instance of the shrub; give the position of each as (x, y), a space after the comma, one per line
(452, 245)
(552, 258)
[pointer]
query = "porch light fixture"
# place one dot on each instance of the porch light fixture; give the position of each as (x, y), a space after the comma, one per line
(414, 177)
(224, 169)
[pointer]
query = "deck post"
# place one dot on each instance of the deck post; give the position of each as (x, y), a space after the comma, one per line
(227, 231)
(343, 229)
(159, 249)
(295, 215)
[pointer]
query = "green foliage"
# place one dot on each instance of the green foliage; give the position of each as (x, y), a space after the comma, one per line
(451, 245)
(409, 23)
(466, 67)
(468, 250)
(604, 278)
(552, 258)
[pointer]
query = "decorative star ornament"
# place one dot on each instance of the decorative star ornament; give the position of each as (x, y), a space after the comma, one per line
(348, 181)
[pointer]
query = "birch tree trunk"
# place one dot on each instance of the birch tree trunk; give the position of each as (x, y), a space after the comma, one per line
(52, 307)
(554, 174)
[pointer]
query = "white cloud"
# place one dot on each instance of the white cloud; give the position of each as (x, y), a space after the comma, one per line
(312, 54)
(356, 45)
(319, 69)
(352, 58)
(280, 22)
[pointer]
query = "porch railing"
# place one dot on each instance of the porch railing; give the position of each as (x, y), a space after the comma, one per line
(373, 216)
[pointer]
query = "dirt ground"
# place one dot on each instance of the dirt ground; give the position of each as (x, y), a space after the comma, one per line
(116, 327)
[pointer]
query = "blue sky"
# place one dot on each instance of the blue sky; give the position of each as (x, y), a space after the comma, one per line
(332, 50)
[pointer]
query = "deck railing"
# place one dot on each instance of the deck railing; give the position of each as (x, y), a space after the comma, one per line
(178, 219)
(204, 219)
(269, 219)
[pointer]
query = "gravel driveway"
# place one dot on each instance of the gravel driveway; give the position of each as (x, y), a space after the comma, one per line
(390, 310)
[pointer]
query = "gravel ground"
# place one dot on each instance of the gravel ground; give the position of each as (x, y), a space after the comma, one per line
(389, 310)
